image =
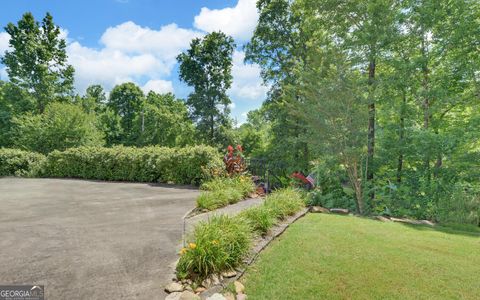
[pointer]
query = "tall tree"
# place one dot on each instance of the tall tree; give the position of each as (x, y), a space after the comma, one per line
(94, 99)
(126, 100)
(207, 67)
(37, 62)
(165, 122)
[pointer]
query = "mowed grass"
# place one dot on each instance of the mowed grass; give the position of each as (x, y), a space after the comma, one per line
(339, 257)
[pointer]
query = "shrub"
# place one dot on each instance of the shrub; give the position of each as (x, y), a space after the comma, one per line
(216, 245)
(60, 126)
(260, 218)
(460, 206)
(150, 164)
(222, 191)
(284, 203)
(14, 162)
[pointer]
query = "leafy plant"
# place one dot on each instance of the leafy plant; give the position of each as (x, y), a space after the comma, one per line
(14, 162)
(216, 245)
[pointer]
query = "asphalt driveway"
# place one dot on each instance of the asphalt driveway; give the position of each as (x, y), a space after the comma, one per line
(88, 239)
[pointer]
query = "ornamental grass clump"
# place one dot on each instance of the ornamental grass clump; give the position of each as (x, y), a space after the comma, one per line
(216, 245)
(222, 191)
(260, 219)
(284, 203)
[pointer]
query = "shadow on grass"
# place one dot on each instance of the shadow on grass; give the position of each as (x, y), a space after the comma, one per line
(459, 229)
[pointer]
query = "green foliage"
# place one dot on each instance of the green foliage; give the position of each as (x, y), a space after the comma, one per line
(368, 88)
(284, 203)
(216, 245)
(37, 62)
(222, 242)
(164, 121)
(59, 127)
(126, 100)
(14, 162)
(222, 191)
(207, 67)
(189, 165)
(461, 206)
(260, 218)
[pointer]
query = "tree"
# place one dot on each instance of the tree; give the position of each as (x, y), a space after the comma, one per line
(37, 62)
(279, 45)
(165, 122)
(94, 99)
(60, 126)
(126, 100)
(207, 67)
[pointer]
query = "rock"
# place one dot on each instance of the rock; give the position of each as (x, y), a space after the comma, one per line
(187, 295)
(229, 274)
(427, 222)
(216, 296)
(239, 288)
(211, 281)
(173, 296)
(188, 288)
(319, 209)
(200, 289)
(341, 211)
(174, 287)
(229, 296)
(241, 296)
(382, 218)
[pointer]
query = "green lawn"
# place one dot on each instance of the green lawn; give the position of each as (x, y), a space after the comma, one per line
(336, 257)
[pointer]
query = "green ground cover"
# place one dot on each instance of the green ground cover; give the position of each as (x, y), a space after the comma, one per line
(337, 257)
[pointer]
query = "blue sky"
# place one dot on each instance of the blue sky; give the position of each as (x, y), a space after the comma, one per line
(114, 41)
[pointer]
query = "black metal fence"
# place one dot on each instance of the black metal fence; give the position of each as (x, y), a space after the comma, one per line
(273, 174)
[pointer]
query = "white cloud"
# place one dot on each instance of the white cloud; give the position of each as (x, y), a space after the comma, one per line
(238, 21)
(130, 53)
(247, 83)
(4, 38)
(109, 67)
(158, 86)
(165, 43)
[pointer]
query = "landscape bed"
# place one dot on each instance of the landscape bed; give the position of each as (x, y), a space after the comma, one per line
(343, 257)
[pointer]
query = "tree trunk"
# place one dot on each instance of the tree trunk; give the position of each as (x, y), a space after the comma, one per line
(426, 104)
(371, 126)
(401, 138)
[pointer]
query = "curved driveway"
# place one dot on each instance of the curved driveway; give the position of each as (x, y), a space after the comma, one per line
(90, 239)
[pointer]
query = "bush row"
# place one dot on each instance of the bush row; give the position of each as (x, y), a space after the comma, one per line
(15, 162)
(222, 191)
(150, 164)
(221, 243)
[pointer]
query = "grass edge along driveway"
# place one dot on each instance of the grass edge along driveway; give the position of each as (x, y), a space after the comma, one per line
(340, 257)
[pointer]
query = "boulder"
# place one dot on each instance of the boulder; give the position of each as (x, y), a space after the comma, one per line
(382, 218)
(174, 287)
(229, 274)
(239, 288)
(216, 296)
(174, 296)
(241, 296)
(200, 289)
(187, 295)
(319, 209)
(341, 211)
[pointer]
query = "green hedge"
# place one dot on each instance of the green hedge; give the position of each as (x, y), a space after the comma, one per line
(190, 165)
(15, 162)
